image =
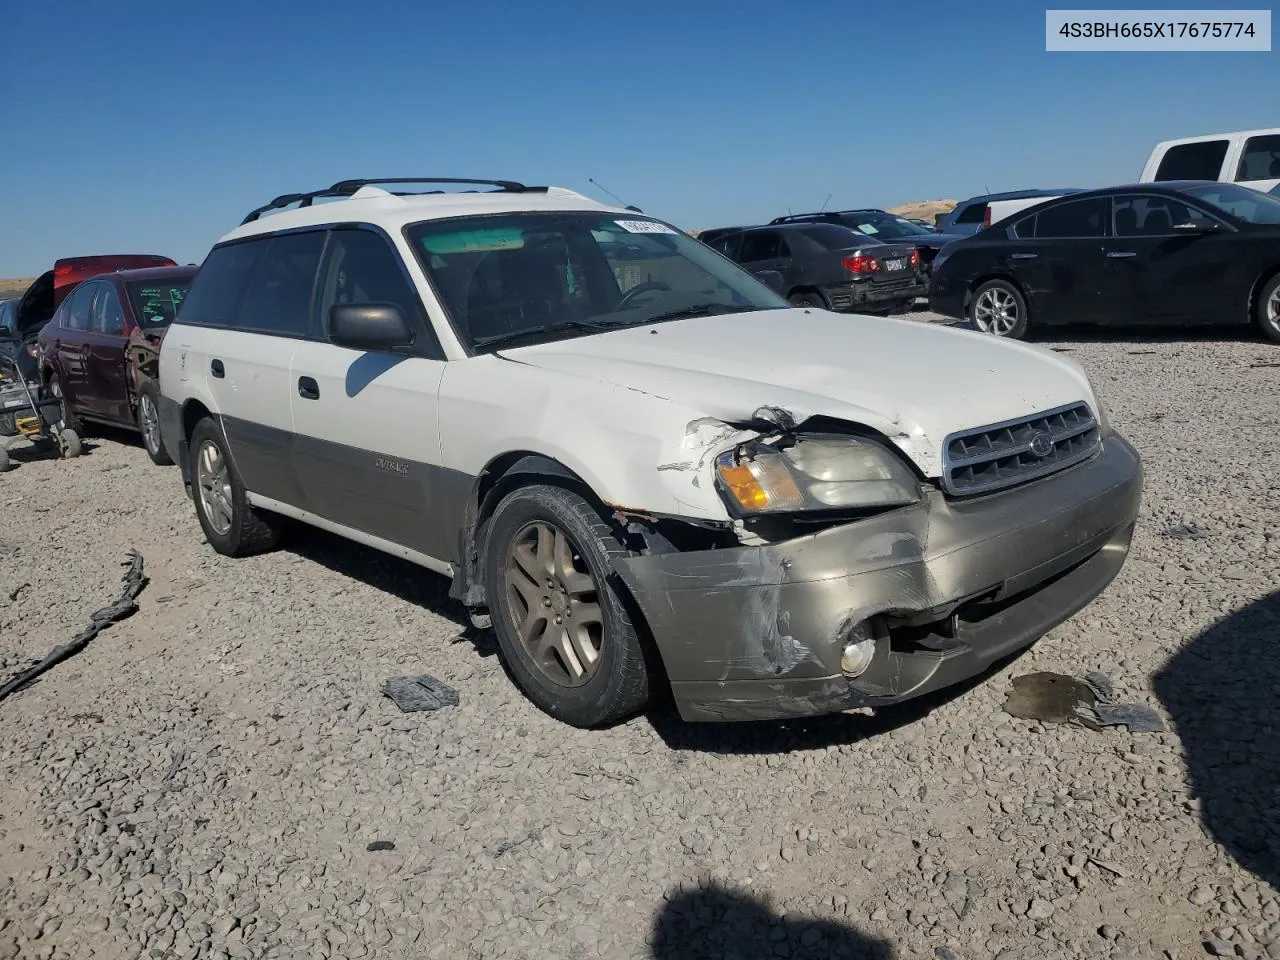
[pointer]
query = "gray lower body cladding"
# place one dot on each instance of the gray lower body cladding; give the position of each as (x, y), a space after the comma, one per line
(953, 586)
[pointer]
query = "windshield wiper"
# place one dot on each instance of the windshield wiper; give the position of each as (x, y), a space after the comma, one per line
(697, 310)
(534, 333)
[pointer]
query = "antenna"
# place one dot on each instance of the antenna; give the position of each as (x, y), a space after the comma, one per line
(606, 190)
(824, 203)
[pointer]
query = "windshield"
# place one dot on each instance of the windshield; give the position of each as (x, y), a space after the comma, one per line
(156, 302)
(885, 226)
(532, 277)
(1248, 205)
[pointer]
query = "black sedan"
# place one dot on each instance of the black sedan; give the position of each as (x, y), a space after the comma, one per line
(1178, 252)
(883, 226)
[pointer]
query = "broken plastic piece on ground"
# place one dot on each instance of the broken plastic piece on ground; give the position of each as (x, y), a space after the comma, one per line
(1056, 698)
(378, 845)
(1184, 531)
(413, 694)
(134, 580)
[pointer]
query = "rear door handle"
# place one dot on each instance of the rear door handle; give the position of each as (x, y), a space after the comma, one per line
(1023, 256)
(308, 389)
(1120, 254)
(217, 369)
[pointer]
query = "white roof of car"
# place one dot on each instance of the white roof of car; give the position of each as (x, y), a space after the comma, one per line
(380, 207)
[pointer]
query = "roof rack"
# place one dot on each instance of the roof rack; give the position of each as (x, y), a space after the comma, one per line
(826, 215)
(347, 188)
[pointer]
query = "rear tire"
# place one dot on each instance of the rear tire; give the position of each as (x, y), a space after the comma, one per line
(563, 629)
(231, 525)
(807, 298)
(69, 444)
(998, 308)
(1267, 313)
(149, 424)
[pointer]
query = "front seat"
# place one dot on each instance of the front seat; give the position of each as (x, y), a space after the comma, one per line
(1126, 222)
(513, 290)
(1158, 222)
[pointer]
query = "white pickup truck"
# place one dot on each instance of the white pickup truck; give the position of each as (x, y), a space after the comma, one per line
(1250, 158)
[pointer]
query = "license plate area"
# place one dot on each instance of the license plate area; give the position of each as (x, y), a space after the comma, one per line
(894, 265)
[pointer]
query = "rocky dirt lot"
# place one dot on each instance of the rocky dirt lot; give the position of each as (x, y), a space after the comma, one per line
(218, 776)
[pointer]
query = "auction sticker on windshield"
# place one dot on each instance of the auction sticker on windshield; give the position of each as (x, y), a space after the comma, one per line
(643, 226)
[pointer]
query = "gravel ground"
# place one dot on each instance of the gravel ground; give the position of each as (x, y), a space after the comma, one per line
(218, 776)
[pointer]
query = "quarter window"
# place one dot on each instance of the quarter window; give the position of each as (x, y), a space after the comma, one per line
(1074, 219)
(1193, 161)
(1260, 159)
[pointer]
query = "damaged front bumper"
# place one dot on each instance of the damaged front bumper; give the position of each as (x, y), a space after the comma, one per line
(948, 587)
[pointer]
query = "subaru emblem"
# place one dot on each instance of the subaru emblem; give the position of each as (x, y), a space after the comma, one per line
(1041, 444)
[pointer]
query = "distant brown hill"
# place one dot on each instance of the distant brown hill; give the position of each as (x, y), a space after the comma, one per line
(12, 289)
(925, 210)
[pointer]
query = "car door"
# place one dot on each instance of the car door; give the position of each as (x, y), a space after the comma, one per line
(1166, 276)
(367, 438)
(1057, 257)
(762, 250)
(260, 294)
(70, 362)
(106, 395)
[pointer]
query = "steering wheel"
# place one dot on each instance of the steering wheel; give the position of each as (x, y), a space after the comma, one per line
(647, 287)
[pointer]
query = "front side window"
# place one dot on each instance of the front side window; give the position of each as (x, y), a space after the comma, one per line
(531, 277)
(1193, 161)
(1260, 159)
(78, 309)
(1074, 219)
(156, 302)
(1147, 216)
(1251, 206)
(108, 314)
(360, 267)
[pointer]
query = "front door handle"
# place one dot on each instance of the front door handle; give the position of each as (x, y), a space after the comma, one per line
(308, 389)
(1023, 256)
(1120, 254)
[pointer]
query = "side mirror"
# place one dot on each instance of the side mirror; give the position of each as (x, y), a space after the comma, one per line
(369, 326)
(1197, 225)
(771, 279)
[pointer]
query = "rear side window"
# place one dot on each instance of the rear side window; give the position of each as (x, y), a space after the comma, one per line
(212, 299)
(277, 297)
(760, 246)
(1193, 161)
(1077, 218)
(972, 213)
(1260, 159)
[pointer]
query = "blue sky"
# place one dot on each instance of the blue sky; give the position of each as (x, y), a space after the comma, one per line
(154, 127)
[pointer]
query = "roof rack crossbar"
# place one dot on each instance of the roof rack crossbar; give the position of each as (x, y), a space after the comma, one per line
(346, 188)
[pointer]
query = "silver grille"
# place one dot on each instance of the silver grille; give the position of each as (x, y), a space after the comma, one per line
(1005, 454)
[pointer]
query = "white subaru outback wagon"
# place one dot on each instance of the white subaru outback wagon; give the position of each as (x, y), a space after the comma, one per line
(634, 459)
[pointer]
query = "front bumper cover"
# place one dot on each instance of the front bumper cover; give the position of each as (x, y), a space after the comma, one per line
(756, 632)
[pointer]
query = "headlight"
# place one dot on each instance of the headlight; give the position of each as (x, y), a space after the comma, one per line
(816, 473)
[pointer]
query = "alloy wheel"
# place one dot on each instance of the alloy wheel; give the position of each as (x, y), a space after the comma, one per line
(553, 604)
(213, 481)
(150, 424)
(996, 312)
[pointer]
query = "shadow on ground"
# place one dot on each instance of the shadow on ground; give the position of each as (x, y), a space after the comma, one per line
(732, 925)
(813, 733)
(1221, 693)
(1140, 334)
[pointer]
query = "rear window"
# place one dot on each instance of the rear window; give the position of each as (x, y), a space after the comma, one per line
(831, 237)
(1193, 161)
(1261, 158)
(155, 302)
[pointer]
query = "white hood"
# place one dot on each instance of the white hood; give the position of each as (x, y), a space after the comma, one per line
(913, 382)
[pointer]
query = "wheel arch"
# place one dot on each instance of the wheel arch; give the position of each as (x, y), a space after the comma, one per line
(1256, 292)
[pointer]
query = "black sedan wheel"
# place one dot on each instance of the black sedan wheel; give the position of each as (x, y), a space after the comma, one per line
(998, 308)
(1269, 309)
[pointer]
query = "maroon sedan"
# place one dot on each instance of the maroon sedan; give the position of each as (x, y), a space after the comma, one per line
(100, 349)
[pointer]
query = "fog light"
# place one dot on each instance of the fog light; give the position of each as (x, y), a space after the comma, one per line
(858, 652)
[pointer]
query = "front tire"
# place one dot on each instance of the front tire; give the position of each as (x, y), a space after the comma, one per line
(807, 298)
(1268, 309)
(563, 630)
(998, 308)
(149, 424)
(231, 525)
